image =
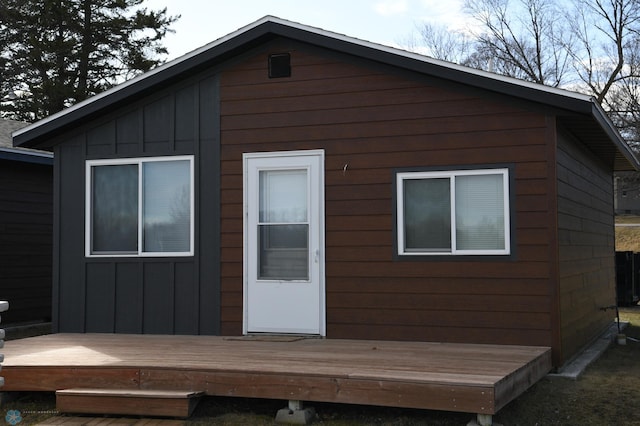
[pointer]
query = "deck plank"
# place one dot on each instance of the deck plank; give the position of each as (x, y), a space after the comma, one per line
(455, 377)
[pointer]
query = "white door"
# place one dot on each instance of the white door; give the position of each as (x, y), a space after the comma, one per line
(284, 242)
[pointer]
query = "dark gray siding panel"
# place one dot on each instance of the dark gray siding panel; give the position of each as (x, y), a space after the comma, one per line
(101, 140)
(26, 237)
(158, 298)
(71, 286)
(129, 134)
(144, 295)
(208, 239)
(185, 300)
(209, 109)
(129, 298)
(158, 126)
(100, 297)
(186, 114)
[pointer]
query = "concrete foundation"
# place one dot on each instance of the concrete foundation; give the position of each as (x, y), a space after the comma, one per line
(483, 420)
(295, 414)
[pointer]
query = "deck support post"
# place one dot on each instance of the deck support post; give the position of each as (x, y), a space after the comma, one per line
(295, 405)
(482, 420)
(485, 419)
(295, 414)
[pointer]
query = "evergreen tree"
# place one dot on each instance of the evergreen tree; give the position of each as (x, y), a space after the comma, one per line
(55, 53)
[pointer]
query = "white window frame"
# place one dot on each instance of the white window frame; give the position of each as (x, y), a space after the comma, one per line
(451, 175)
(139, 162)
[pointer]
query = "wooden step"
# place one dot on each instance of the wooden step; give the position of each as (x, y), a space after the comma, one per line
(137, 402)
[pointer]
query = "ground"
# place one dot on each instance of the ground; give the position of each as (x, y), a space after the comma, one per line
(628, 237)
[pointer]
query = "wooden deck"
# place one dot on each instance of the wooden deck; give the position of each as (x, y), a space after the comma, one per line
(477, 379)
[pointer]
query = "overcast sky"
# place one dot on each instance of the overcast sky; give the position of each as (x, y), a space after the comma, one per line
(387, 22)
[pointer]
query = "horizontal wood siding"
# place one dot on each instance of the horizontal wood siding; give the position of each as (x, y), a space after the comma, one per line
(371, 121)
(586, 246)
(26, 239)
(164, 295)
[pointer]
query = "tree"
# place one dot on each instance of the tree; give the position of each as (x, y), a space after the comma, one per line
(522, 39)
(622, 102)
(591, 46)
(55, 53)
(606, 58)
(606, 33)
(442, 43)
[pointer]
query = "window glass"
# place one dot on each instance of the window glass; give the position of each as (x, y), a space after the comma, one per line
(427, 214)
(283, 229)
(166, 187)
(115, 208)
(283, 252)
(283, 196)
(480, 212)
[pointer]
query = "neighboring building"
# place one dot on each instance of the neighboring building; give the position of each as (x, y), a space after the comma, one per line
(627, 193)
(285, 179)
(26, 229)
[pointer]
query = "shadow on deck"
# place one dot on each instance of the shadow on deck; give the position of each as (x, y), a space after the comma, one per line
(471, 378)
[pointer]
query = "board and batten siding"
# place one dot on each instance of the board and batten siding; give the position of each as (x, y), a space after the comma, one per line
(372, 121)
(26, 240)
(586, 233)
(163, 295)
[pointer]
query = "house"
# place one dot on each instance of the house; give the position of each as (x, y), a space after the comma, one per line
(627, 193)
(285, 179)
(26, 229)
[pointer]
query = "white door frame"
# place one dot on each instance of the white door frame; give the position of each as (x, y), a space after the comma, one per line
(316, 253)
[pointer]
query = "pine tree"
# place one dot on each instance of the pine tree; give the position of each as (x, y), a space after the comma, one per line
(55, 53)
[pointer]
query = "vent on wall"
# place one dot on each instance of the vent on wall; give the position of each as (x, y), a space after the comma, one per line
(279, 65)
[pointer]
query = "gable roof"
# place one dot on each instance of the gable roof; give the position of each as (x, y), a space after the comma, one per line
(584, 117)
(8, 152)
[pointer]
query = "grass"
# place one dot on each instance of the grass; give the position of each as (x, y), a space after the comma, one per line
(627, 218)
(628, 237)
(606, 394)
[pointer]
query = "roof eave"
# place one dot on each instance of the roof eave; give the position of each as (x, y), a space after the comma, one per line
(25, 156)
(603, 120)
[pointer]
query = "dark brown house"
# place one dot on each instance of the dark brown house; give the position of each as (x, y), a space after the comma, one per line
(26, 230)
(285, 179)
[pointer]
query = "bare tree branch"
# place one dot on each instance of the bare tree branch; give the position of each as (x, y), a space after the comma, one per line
(591, 46)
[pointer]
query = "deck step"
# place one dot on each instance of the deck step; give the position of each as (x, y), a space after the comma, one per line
(136, 402)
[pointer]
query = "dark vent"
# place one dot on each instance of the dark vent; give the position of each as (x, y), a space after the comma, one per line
(279, 65)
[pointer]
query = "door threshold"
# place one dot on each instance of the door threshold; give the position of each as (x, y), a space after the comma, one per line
(270, 337)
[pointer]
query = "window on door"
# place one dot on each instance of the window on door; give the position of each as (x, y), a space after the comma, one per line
(283, 225)
(140, 207)
(463, 212)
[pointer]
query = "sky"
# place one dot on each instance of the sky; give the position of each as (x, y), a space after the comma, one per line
(388, 22)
